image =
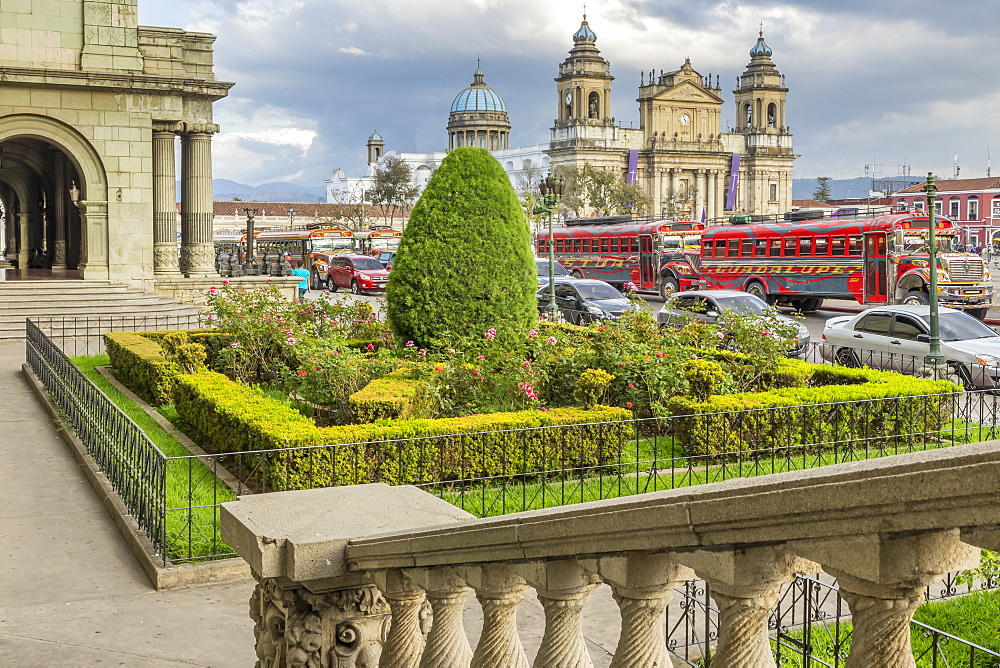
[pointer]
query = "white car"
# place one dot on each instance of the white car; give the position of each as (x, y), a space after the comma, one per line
(897, 338)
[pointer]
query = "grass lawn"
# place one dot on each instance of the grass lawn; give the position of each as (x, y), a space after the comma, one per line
(193, 491)
(973, 617)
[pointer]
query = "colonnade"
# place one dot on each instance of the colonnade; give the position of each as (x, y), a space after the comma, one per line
(197, 254)
(705, 192)
(491, 140)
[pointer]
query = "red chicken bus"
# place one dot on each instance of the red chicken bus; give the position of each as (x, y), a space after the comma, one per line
(878, 260)
(620, 249)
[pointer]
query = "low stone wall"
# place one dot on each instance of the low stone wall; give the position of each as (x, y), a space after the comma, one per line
(195, 290)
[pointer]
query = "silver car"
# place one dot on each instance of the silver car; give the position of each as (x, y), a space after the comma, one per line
(708, 305)
(897, 337)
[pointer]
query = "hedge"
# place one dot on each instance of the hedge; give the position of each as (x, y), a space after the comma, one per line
(838, 411)
(390, 397)
(232, 417)
(141, 364)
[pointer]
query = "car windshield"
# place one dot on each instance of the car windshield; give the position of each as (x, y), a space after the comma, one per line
(542, 269)
(743, 304)
(597, 291)
(958, 326)
(367, 264)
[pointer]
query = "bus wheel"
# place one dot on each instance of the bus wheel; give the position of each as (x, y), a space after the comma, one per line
(757, 290)
(916, 298)
(668, 286)
(977, 313)
(812, 304)
(577, 273)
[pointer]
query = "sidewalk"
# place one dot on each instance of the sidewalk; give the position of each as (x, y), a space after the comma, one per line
(71, 594)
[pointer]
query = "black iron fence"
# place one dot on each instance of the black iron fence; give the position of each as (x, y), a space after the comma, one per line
(811, 626)
(83, 335)
(134, 467)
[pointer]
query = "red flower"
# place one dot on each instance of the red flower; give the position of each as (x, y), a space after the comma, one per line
(628, 404)
(303, 372)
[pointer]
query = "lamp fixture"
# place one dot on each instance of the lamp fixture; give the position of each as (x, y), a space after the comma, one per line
(74, 193)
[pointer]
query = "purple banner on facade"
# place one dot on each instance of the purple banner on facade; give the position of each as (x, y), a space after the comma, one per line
(734, 182)
(633, 167)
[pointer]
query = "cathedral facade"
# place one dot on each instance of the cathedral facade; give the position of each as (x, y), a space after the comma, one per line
(679, 154)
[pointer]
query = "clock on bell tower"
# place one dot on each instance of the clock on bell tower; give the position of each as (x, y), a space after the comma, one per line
(584, 82)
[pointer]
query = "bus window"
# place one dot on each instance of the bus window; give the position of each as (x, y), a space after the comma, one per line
(585, 245)
(720, 248)
(634, 244)
(761, 250)
(789, 248)
(747, 250)
(775, 248)
(560, 246)
(805, 246)
(837, 246)
(605, 245)
(822, 246)
(706, 248)
(576, 245)
(855, 246)
(734, 248)
(543, 245)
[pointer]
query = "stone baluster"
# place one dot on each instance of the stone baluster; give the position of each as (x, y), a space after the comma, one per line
(563, 588)
(642, 584)
(499, 591)
(882, 578)
(447, 644)
(405, 641)
(745, 584)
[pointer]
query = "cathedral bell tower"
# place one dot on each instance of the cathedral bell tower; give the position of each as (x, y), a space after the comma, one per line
(583, 86)
(376, 148)
(760, 97)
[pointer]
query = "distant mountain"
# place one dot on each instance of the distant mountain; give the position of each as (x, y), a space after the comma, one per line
(282, 191)
(846, 188)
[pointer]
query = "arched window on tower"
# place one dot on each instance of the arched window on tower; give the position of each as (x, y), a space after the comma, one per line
(772, 115)
(748, 115)
(593, 105)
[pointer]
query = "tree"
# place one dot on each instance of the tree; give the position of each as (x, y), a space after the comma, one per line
(352, 212)
(465, 264)
(823, 191)
(602, 191)
(392, 187)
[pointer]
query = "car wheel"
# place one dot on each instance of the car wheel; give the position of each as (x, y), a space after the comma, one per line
(317, 284)
(355, 288)
(331, 284)
(916, 298)
(668, 286)
(847, 357)
(757, 289)
(977, 313)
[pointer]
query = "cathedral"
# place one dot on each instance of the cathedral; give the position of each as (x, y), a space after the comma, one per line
(679, 154)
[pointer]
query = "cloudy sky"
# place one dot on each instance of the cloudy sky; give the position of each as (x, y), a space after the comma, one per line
(886, 82)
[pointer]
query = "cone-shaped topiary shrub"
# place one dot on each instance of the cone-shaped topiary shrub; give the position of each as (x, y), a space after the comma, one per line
(465, 264)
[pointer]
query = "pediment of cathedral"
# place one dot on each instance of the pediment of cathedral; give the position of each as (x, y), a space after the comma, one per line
(688, 92)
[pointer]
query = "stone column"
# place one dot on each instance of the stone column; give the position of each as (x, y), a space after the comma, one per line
(563, 588)
(499, 591)
(197, 250)
(23, 221)
(57, 210)
(94, 240)
(642, 584)
(164, 204)
(447, 644)
(883, 580)
(405, 641)
(745, 584)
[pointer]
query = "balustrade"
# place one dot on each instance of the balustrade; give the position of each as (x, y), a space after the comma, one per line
(339, 587)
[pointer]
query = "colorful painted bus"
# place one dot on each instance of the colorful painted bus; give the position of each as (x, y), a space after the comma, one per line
(376, 241)
(879, 260)
(310, 247)
(619, 249)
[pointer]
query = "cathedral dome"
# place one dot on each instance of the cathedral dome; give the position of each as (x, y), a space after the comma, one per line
(760, 48)
(584, 34)
(478, 97)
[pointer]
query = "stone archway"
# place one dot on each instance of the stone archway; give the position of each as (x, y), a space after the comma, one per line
(60, 194)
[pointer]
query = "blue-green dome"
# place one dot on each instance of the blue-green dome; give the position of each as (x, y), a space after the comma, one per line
(478, 97)
(760, 48)
(584, 33)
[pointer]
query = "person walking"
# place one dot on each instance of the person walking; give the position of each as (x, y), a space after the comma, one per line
(304, 274)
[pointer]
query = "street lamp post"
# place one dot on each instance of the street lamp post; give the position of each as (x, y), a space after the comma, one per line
(552, 190)
(250, 213)
(934, 356)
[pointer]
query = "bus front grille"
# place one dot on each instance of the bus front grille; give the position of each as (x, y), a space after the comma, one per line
(966, 269)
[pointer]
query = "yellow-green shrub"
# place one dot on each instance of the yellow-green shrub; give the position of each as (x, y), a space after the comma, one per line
(141, 365)
(390, 397)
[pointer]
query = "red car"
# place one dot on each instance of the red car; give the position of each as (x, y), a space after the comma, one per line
(360, 273)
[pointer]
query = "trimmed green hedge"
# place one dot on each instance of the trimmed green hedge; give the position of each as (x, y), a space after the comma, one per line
(142, 364)
(231, 418)
(834, 412)
(391, 397)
